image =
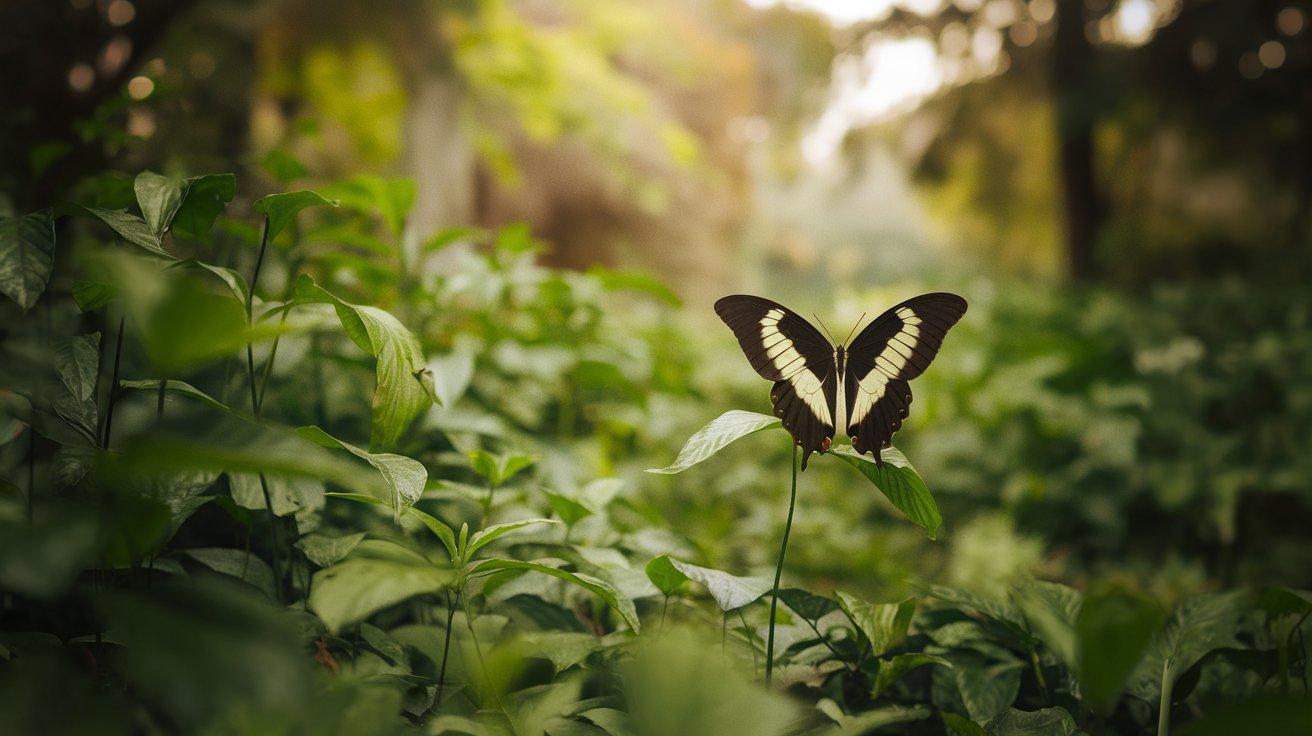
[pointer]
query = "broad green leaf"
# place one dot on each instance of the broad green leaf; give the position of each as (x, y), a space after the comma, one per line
(77, 361)
(564, 649)
(91, 295)
(202, 201)
(712, 438)
(498, 470)
(405, 385)
(899, 482)
(182, 493)
(159, 198)
(1197, 625)
(962, 726)
(884, 624)
(235, 282)
(485, 464)
(512, 465)
(806, 604)
(1051, 610)
(569, 510)
(289, 494)
(181, 387)
(132, 228)
(1004, 612)
(891, 669)
(282, 208)
(435, 525)
(664, 575)
(483, 537)
(1113, 631)
(986, 689)
(729, 591)
(1042, 722)
(622, 604)
(353, 590)
(324, 550)
(188, 326)
(405, 476)
(1284, 601)
(236, 563)
(27, 251)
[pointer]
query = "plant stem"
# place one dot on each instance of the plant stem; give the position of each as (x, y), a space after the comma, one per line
(446, 646)
(159, 401)
(1038, 674)
(482, 662)
(665, 607)
(1164, 708)
(31, 473)
(751, 639)
(113, 383)
(778, 573)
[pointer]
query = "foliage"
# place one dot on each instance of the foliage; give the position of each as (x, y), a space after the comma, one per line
(322, 498)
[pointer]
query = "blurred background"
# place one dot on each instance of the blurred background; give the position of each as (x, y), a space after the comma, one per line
(1122, 190)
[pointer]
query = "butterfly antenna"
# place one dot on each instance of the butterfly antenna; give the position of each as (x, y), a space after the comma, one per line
(822, 326)
(858, 324)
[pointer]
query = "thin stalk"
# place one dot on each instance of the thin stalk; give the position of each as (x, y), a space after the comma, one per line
(1038, 674)
(751, 639)
(446, 646)
(778, 573)
(665, 608)
(112, 399)
(31, 473)
(159, 401)
(1164, 708)
(482, 662)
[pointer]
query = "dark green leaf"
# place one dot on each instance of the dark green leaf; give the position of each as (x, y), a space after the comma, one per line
(405, 385)
(622, 604)
(891, 669)
(962, 726)
(729, 591)
(712, 438)
(1197, 625)
(664, 575)
(41, 559)
(806, 604)
(1113, 631)
(986, 689)
(77, 361)
(27, 251)
(159, 198)
(282, 208)
(289, 494)
(1051, 610)
(203, 200)
(884, 624)
(1262, 713)
(235, 282)
(132, 228)
(353, 590)
(899, 482)
(237, 563)
(1044, 722)
(180, 387)
(92, 295)
(405, 476)
(324, 550)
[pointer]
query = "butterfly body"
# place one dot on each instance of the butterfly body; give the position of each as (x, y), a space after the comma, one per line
(861, 387)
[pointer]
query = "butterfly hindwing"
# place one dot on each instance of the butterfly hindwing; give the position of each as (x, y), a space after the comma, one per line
(895, 348)
(784, 348)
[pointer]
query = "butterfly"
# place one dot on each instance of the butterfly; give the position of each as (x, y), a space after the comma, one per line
(861, 387)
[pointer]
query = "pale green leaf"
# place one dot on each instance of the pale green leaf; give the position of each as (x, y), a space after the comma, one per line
(712, 438)
(353, 590)
(899, 482)
(621, 603)
(404, 476)
(731, 592)
(485, 536)
(884, 624)
(324, 550)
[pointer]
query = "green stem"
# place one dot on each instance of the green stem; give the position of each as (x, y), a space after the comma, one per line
(482, 662)
(751, 639)
(446, 647)
(1164, 708)
(112, 399)
(31, 473)
(159, 401)
(778, 573)
(665, 608)
(1038, 673)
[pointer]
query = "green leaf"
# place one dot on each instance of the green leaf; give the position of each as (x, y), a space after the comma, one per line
(27, 252)
(159, 198)
(729, 591)
(324, 550)
(236, 563)
(404, 476)
(443, 532)
(1051, 610)
(665, 576)
(204, 198)
(884, 624)
(282, 208)
(132, 228)
(712, 438)
(899, 482)
(77, 361)
(483, 537)
(498, 470)
(188, 326)
(235, 282)
(962, 725)
(569, 510)
(986, 689)
(405, 385)
(891, 669)
(288, 494)
(91, 295)
(1043, 722)
(563, 649)
(806, 604)
(1113, 631)
(391, 198)
(622, 604)
(870, 720)
(1004, 612)
(181, 387)
(353, 590)
(1197, 625)
(635, 281)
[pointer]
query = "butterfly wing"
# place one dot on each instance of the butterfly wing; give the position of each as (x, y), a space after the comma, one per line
(889, 352)
(784, 348)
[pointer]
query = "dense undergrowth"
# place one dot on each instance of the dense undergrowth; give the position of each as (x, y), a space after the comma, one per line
(282, 469)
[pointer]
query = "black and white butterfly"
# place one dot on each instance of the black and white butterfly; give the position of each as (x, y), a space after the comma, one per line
(861, 387)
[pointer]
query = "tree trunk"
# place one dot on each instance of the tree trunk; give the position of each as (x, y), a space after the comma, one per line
(1077, 112)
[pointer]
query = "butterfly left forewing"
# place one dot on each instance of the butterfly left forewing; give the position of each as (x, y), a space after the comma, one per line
(784, 348)
(897, 347)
